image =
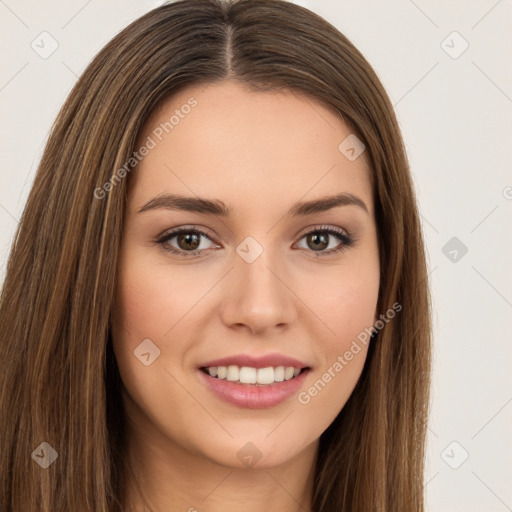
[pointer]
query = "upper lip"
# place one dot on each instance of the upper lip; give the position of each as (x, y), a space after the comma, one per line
(256, 362)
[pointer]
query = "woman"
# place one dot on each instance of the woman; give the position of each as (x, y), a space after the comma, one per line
(217, 295)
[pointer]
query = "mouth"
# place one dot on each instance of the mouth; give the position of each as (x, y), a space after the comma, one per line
(247, 375)
(253, 388)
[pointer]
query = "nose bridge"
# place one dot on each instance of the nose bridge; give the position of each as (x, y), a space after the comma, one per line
(258, 296)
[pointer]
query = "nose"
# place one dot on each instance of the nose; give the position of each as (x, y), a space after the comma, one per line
(258, 297)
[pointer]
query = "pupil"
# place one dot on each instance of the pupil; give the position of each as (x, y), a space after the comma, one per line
(314, 239)
(189, 238)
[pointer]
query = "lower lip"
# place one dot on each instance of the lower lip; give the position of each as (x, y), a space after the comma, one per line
(252, 396)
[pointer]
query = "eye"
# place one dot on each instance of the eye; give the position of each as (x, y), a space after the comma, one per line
(318, 240)
(189, 243)
(187, 239)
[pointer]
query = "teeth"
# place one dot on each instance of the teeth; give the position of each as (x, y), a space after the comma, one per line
(233, 373)
(279, 374)
(248, 375)
(264, 375)
(288, 372)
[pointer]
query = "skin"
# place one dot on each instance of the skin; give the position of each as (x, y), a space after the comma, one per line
(259, 153)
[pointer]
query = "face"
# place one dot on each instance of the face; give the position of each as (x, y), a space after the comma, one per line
(271, 282)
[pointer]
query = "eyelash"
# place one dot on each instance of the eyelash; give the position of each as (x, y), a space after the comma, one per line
(346, 240)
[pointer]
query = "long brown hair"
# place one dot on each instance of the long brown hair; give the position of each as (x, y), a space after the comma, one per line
(60, 382)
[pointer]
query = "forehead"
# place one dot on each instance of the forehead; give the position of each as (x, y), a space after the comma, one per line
(225, 140)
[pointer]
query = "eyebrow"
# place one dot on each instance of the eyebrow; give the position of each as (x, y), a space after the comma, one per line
(217, 207)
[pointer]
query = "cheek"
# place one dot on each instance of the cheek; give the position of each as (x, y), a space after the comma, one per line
(143, 311)
(344, 298)
(147, 299)
(350, 313)
(356, 311)
(342, 355)
(146, 308)
(347, 305)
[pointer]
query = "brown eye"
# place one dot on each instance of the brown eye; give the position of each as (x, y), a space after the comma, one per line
(317, 241)
(188, 241)
(320, 238)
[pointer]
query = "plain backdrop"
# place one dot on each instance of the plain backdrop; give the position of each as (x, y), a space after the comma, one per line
(446, 66)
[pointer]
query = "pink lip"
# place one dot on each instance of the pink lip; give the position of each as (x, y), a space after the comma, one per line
(252, 396)
(256, 362)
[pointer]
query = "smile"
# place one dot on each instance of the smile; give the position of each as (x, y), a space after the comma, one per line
(250, 375)
(264, 389)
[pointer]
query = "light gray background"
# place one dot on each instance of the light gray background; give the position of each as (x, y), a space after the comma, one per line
(455, 113)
